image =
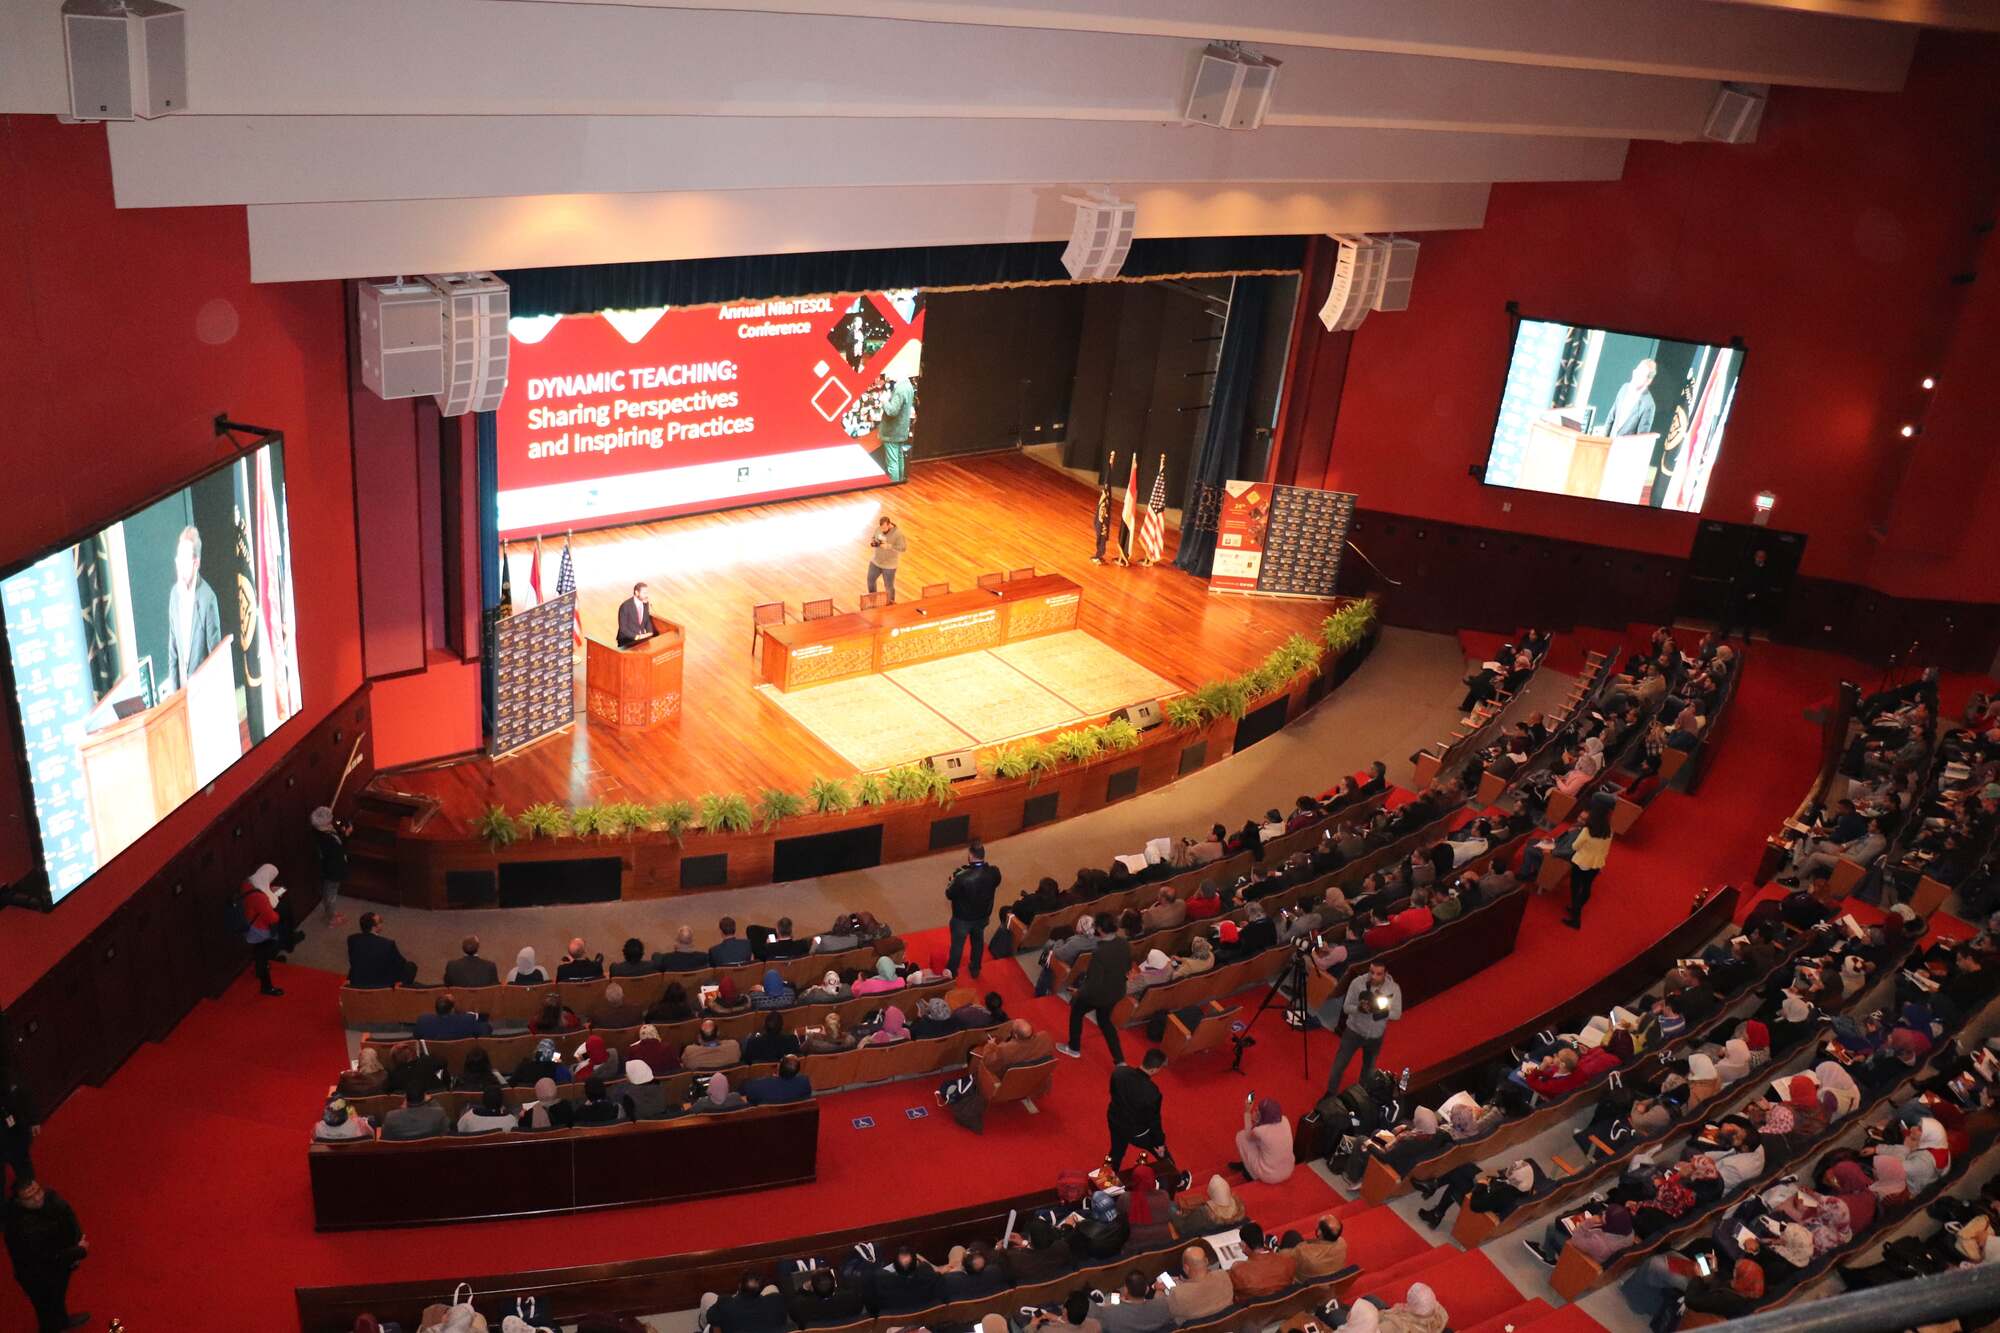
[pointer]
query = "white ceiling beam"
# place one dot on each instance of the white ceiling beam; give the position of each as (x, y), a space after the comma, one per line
(296, 242)
(200, 160)
(379, 57)
(1690, 39)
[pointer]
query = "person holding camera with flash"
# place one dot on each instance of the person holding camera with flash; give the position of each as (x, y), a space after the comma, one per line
(1373, 1001)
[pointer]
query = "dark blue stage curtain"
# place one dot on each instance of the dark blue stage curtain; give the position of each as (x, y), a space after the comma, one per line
(1221, 448)
(486, 443)
(582, 289)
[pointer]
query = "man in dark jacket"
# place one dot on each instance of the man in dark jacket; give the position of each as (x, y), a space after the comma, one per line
(1133, 1117)
(373, 960)
(1103, 986)
(749, 1310)
(446, 1023)
(470, 970)
(970, 894)
(46, 1244)
(634, 963)
(729, 950)
(822, 1298)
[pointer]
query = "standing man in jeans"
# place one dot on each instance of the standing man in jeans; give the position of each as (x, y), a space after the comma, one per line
(1103, 986)
(970, 894)
(885, 551)
(1373, 1001)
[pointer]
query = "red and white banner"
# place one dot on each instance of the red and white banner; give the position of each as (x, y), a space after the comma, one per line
(1240, 526)
(635, 414)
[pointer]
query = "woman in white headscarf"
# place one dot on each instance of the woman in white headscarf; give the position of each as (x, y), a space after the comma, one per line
(1589, 761)
(1734, 1062)
(1155, 970)
(526, 971)
(548, 1110)
(829, 990)
(1419, 1313)
(1836, 1083)
(1219, 1212)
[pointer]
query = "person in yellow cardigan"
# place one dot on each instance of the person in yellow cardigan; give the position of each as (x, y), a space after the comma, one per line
(1586, 861)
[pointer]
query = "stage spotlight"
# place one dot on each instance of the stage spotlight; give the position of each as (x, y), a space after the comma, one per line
(1911, 432)
(1929, 383)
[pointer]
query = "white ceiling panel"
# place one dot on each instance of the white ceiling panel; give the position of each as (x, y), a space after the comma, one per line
(290, 242)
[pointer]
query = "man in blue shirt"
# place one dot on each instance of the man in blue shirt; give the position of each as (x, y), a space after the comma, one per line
(787, 1085)
(445, 1023)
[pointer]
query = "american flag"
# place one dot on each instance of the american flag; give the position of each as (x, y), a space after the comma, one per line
(566, 583)
(1153, 531)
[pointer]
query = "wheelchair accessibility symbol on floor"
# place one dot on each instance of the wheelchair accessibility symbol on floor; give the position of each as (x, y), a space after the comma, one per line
(916, 1112)
(864, 1122)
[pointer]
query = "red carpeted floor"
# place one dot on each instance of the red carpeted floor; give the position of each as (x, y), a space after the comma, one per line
(188, 1169)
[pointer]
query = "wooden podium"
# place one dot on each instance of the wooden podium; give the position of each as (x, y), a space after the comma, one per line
(137, 769)
(1565, 460)
(638, 686)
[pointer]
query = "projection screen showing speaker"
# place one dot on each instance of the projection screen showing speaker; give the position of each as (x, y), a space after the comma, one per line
(1604, 415)
(628, 415)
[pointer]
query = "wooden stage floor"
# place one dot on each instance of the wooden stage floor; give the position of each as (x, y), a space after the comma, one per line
(963, 518)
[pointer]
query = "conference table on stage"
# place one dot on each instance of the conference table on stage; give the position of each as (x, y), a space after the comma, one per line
(812, 652)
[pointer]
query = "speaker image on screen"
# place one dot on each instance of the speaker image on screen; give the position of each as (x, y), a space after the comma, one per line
(1740, 576)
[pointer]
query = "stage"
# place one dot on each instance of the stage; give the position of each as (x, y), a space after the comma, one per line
(1141, 633)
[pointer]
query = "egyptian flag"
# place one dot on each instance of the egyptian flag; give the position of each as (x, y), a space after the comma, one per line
(535, 571)
(1131, 514)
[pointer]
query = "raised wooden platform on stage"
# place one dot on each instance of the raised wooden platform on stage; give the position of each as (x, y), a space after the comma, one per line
(638, 686)
(813, 652)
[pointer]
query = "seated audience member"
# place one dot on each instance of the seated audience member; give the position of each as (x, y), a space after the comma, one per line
(417, 1118)
(1419, 1312)
(597, 1108)
(1037, 1253)
(579, 965)
(596, 1059)
(830, 990)
(526, 971)
(1325, 1253)
(545, 1063)
(1264, 1272)
(1099, 1232)
(1020, 1044)
(555, 1017)
(756, 1307)
(821, 1298)
(412, 1067)
(1150, 1210)
(1496, 1192)
(727, 999)
(716, 1096)
(1264, 1144)
(770, 1043)
(490, 1116)
(989, 1013)
(1599, 1233)
(685, 957)
(1074, 1317)
(1143, 1309)
(1165, 912)
(1155, 969)
(1220, 1211)
(830, 1038)
(644, 1096)
(367, 1079)
(777, 944)
(773, 992)
(1204, 904)
(1066, 951)
(615, 1012)
(789, 1084)
(933, 1019)
(373, 960)
(469, 969)
(634, 962)
(476, 1074)
(885, 978)
(710, 1049)
(338, 1124)
(891, 1030)
(1204, 1290)
(728, 951)
(1200, 958)
(672, 1006)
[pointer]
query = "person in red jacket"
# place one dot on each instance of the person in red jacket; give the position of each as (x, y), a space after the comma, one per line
(1557, 1076)
(1204, 903)
(264, 930)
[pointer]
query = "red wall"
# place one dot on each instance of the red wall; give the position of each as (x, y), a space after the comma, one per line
(1827, 246)
(122, 334)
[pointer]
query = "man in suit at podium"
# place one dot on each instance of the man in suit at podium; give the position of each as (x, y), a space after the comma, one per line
(1632, 409)
(635, 618)
(194, 622)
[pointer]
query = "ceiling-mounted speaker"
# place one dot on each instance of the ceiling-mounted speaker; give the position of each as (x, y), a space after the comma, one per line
(1100, 236)
(474, 353)
(126, 58)
(1736, 113)
(1372, 273)
(401, 332)
(1229, 88)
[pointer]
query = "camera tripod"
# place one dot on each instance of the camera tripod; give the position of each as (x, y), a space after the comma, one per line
(1293, 977)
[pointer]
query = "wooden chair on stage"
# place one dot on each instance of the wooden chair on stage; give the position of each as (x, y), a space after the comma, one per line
(821, 608)
(871, 600)
(1025, 573)
(763, 615)
(937, 590)
(992, 580)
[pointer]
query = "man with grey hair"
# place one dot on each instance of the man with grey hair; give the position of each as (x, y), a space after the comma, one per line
(685, 957)
(194, 621)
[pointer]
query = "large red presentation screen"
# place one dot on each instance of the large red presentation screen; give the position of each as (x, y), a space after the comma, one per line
(627, 415)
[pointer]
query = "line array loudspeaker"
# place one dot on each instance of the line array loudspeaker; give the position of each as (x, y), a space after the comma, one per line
(474, 317)
(1229, 88)
(1372, 273)
(1100, 237)
(1736, 113)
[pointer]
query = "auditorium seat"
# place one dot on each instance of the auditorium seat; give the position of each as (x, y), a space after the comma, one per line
(937, 590)
(762, 615)
(1019, 1083)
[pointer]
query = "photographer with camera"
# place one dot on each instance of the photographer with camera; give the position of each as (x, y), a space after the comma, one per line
(1373, 1001)
(970, 893)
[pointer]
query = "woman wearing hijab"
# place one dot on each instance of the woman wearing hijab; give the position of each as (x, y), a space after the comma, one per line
(1150, 1209)
(1102, 1233)
(1734, 1063)
(1837, 1089)
(595, 1059)
(659, 1057)
(337, 1124)
(830, 1039)
(1156, 969)
(1200, 958)
(1412, 1143)
(884, 980)
(1418, 1313)
(1589, 761)
(716, 1097)
(1221, 1211)
(266, 930)
(727, 998)
(893, 1029)
(933, 1019)
(830, 990)
(1599, 1236)
(526, 971)
(555, 1017)
(548, 1110)
(1264, 1144)
(1467, 1119)
(1793, 1024)
(773, 992)
(367, 1079)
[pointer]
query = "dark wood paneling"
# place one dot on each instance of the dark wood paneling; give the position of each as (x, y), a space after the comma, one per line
(997, 368)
